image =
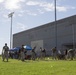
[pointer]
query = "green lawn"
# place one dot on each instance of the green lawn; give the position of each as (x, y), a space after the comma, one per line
(29, 67)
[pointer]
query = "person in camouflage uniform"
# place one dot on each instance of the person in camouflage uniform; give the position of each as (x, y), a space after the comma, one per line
(5, 52)
(33, 53)
(43, 53)
(22, 52)
(71, 54)
(54, 53)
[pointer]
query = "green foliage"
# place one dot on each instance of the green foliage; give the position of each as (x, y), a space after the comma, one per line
(38, 67)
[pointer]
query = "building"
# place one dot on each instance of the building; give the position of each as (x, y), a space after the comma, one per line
(44, 35)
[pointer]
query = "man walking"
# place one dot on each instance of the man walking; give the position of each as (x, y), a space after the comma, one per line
(5, 52)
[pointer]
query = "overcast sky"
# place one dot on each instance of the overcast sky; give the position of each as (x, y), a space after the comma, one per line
(29, 14)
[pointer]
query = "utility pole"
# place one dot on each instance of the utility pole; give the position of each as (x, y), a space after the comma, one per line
(55, 25)
(11, 37)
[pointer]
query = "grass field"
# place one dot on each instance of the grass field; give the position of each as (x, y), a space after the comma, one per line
(38, 67)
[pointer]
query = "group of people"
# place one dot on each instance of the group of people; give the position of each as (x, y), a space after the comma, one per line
(42, 53)
(68, 54)
(5, 53)
(21, 54)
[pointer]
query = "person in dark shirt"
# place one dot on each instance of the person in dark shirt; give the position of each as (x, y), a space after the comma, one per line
(66, 52)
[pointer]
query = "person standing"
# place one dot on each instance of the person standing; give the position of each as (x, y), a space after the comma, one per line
(33, 53)
(65, 53)
(19, 54)
(71, 53)
(54, 53)
(22, 52)
(43, 53)
(5, 52)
